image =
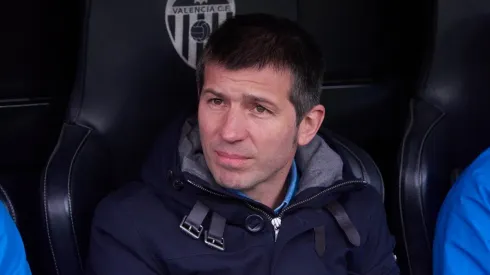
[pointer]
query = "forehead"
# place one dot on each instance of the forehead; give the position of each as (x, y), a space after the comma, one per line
(267, 79)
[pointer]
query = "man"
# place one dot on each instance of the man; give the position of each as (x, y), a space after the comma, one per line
(247, 187)
(462, 238)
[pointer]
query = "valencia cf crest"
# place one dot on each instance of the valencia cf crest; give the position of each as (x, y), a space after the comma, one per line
(190, 22)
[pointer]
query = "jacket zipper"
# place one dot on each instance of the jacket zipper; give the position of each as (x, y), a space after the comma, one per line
(276, 221)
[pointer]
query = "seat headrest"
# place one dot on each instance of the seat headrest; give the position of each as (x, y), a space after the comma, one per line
(457, 80)
(454, 97)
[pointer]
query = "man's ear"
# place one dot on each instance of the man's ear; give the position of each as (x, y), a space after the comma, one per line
(310, 124)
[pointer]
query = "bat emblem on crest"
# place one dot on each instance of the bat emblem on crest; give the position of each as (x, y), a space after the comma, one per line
(191, 22)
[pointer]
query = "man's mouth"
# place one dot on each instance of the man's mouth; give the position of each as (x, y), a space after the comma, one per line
(231, 159)
(230, 155)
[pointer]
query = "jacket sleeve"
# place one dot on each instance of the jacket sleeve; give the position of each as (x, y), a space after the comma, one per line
(12, 254)
(462, 237)
(116, 246)
(375, 256)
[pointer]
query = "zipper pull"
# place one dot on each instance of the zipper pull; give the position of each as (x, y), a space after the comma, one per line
(276, 223)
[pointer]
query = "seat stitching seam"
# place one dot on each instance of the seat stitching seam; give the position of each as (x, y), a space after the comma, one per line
(10, 205)
(46, 201)
(82, 142)
(419, 157)
(419, 161)
(400, 204)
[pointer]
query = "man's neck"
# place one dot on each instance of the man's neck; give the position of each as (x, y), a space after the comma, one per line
(272, 192)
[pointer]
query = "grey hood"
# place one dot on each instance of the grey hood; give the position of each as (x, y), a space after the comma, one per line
(318, 164)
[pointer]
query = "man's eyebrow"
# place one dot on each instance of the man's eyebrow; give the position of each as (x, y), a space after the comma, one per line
(259, 99)
(213, 92)
(247, 97)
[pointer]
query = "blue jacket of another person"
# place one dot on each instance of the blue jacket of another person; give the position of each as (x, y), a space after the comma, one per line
(12, 254)
(462, 239)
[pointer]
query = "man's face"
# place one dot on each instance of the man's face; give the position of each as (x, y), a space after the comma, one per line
(247, 125)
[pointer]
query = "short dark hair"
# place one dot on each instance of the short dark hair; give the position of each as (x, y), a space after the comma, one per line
(260, 40)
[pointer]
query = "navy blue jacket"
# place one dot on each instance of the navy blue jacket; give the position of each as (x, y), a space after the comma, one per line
(177, 221)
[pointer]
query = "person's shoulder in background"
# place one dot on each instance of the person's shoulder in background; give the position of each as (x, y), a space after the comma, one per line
(462, 237)
(12, 252)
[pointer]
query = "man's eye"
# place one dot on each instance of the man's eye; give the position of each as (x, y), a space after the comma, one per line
(260, 109)
(216, 101)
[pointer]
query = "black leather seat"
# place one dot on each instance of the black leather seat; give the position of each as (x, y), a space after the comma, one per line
(447, 127)
(38, 56)
(131, 80)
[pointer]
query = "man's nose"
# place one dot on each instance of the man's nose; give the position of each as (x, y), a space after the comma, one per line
(233, 128)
